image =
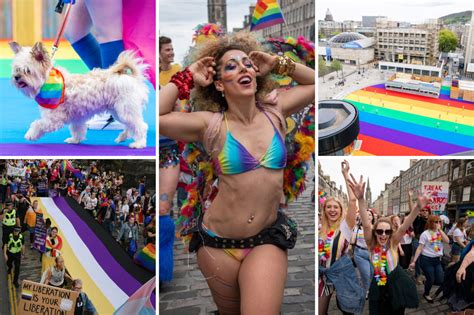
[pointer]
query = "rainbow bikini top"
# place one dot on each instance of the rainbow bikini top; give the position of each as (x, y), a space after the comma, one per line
(235, 159)
(51, 94)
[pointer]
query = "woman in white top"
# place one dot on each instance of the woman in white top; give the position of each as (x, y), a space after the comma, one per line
(459, 239)
(336, 226)
(431, 250)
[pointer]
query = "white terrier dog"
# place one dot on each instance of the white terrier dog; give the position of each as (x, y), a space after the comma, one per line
(119, 90)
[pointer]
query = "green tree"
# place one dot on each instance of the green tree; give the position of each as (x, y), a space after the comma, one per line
(447, 41)
(322, 68)
(336, 65)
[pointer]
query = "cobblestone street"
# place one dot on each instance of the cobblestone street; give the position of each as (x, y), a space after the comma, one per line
(188, 292)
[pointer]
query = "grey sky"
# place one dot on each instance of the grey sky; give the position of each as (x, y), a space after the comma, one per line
(414, 11)
(178, 18)
(380, 170)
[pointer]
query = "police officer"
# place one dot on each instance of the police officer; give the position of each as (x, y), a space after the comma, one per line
(9, 218)
(13, 251)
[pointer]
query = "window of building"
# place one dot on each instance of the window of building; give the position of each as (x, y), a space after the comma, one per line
(453, 196)
(438, 171)
(432, 174)
(445, 168)
(466, 193)
(456, 173)
(470, 168)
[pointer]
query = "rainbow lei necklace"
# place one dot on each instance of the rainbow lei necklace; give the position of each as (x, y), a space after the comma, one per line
(436, 240)
(324, 248)
(379, 260)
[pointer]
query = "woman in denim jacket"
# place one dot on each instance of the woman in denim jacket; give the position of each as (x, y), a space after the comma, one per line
(334, 237)
(386, 295)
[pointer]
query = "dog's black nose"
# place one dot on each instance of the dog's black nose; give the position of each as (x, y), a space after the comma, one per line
(17, 77)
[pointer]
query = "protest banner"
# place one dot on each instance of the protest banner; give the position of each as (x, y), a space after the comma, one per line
(40, 234)
(39, 298)
(16, 171)
(439, 195)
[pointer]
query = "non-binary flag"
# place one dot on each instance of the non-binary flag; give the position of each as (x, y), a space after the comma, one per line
(266, 14)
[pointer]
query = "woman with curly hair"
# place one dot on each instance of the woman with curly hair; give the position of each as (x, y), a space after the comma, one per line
(242, 238)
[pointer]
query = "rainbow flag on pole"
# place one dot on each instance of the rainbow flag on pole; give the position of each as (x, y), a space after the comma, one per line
(266, 14)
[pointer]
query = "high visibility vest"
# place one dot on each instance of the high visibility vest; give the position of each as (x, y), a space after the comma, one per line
(14, 246)
(9, 218)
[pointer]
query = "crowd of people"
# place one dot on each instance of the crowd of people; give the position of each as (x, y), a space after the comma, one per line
(366, 256)
(127, 213)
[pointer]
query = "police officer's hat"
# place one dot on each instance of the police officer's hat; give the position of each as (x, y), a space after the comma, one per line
(17, 229)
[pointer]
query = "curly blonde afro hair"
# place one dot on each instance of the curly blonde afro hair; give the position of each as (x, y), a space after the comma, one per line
(209, 98)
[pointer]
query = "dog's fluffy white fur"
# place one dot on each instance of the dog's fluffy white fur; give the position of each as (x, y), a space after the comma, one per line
(119, 90)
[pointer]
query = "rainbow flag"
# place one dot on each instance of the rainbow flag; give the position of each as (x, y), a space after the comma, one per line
(266, 14)
(66, 165)
(139, 302)
(147, 257)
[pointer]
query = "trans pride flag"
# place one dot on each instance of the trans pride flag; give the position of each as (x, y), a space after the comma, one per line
(266, 14)
(139, 303)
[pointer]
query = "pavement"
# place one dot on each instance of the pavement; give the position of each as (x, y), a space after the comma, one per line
(189, 294)
(327, 89)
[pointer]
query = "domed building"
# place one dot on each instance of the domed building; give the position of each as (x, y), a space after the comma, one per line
(348, 47)
(346, 37)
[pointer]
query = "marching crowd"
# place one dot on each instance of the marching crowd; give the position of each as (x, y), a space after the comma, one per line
(125, 212)
(366, 256)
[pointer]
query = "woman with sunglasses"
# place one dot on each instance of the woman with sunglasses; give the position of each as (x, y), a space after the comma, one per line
(382, 242)
(431, 251)
(334, 237)
(241, 239)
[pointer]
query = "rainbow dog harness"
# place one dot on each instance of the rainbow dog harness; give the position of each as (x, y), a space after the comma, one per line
(51, 94)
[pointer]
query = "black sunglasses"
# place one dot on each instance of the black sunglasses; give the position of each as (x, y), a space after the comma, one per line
(381, 232)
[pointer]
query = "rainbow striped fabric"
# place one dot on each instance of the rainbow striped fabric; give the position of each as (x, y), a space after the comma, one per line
(394, 123)
(66, 165)
(51, 94)
(147, 257)
(266, 14)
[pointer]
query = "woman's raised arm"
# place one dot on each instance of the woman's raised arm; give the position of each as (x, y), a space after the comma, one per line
(296, 98)
(358, 190)
(187, 127)
(422, 201)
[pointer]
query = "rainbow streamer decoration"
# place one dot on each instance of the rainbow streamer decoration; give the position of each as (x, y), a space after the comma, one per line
(147, 257)
(66, 165)
(322, 197)
(205, 32)
(266, 14)
(51, 94)
(400, 124)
